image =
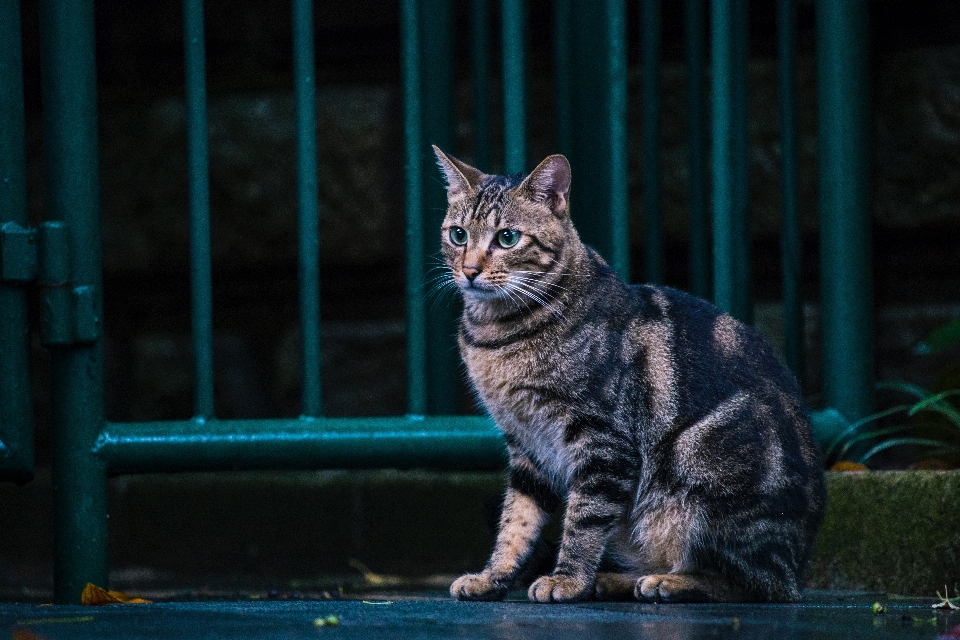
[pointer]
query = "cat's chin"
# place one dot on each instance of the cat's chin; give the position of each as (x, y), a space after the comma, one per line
(480, 294)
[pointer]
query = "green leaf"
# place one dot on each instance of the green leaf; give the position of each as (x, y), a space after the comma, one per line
(944, 338)
(869, 435)
(854, 428)
(937, 446)
(935, 399)
(905, 387)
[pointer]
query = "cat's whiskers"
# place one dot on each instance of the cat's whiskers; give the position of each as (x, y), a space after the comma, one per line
(515, 298)
(538, 296)
(531, 280)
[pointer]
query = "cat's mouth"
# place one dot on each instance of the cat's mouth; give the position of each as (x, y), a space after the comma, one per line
(478, 290)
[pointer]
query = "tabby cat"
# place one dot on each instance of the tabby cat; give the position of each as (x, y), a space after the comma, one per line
(677, 442)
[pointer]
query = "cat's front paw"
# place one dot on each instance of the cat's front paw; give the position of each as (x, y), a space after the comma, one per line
(559, 588)
(478, 586)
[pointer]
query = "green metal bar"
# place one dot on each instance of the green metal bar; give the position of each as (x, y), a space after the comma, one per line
(791, 237)
(442, 442)
(413, 204)
(308, 203)
(437, 31)
(697, 125)
(731, 249)
(562, 74)
(480, 75)
(16, 407)
(599, 150)
(650, 100)
(514, 86)
(68, 74)
(200, 267)
(843, 86)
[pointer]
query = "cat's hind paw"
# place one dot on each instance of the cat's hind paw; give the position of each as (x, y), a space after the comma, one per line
(672, 587)
(559, 588)
(478, 586)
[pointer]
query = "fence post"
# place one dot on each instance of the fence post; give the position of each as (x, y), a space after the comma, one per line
(731, 212)
(201, 289)
(650, 103)
(514, 86)
(16, 406)
(308, 207)
(843, 76)
(480, 77)
(699, 211)
(792, 238)
(437, 127)
(413, 205)
(72, 185)
(599, 129)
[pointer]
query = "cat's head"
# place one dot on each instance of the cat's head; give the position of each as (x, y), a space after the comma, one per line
(503, 234)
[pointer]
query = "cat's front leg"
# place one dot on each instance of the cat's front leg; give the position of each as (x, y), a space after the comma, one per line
(597, 501)
(527, 506)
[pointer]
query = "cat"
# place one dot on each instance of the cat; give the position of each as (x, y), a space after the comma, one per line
(676, 441)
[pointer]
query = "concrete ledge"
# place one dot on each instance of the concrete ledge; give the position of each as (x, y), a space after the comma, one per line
(893, 531)
(897, 532)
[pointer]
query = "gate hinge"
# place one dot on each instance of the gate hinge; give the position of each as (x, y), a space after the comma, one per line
(41, 257)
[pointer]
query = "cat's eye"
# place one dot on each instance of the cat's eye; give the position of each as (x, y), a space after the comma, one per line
(507, 238)
(458, 236)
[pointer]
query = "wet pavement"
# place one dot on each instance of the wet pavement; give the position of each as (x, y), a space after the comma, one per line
(823, 615)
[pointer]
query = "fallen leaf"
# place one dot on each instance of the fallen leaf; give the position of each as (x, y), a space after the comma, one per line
(846, 465)
(26, 634)
(94, 596)
(377, 579)
(326, 621)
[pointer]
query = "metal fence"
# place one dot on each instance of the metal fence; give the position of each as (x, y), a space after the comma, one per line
(61, 258)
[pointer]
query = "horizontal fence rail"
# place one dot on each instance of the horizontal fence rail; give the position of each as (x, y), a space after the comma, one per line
(591, 84)
(451, 443)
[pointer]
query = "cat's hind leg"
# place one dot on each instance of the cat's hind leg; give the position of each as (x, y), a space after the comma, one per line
(615, 586)
(688, 587)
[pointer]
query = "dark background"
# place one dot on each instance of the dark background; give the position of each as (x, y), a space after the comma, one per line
(915, 62)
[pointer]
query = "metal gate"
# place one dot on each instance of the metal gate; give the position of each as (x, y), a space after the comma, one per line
(61, 258)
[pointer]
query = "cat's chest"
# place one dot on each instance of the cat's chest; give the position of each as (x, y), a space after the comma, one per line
(520, 390)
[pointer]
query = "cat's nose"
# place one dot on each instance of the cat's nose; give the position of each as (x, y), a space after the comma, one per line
(470, 272)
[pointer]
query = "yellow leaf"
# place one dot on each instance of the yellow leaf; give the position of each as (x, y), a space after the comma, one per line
(846, 465)
(93, 596)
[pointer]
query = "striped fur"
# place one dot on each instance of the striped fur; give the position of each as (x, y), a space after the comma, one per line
(677, 442)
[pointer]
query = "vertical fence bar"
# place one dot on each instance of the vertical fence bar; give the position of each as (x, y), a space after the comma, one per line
(514, 87)
(731, 248)
(308, 204)
(197, 152)
(68, 75)
(413, 204)
(562, 74)
(16, 407)
(699, 212)
(436, 36)
(650, 100)
(843, 76)
(480, 75)
(599, 147)
(615, 63)
(791, 238)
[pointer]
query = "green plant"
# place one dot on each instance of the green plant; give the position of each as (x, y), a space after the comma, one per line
(929, 421)
(942, 435)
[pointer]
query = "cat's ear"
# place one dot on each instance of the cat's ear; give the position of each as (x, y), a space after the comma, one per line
(462, 179)
(549, 183)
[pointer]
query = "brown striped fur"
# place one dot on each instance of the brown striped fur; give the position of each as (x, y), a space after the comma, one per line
(677, 442)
